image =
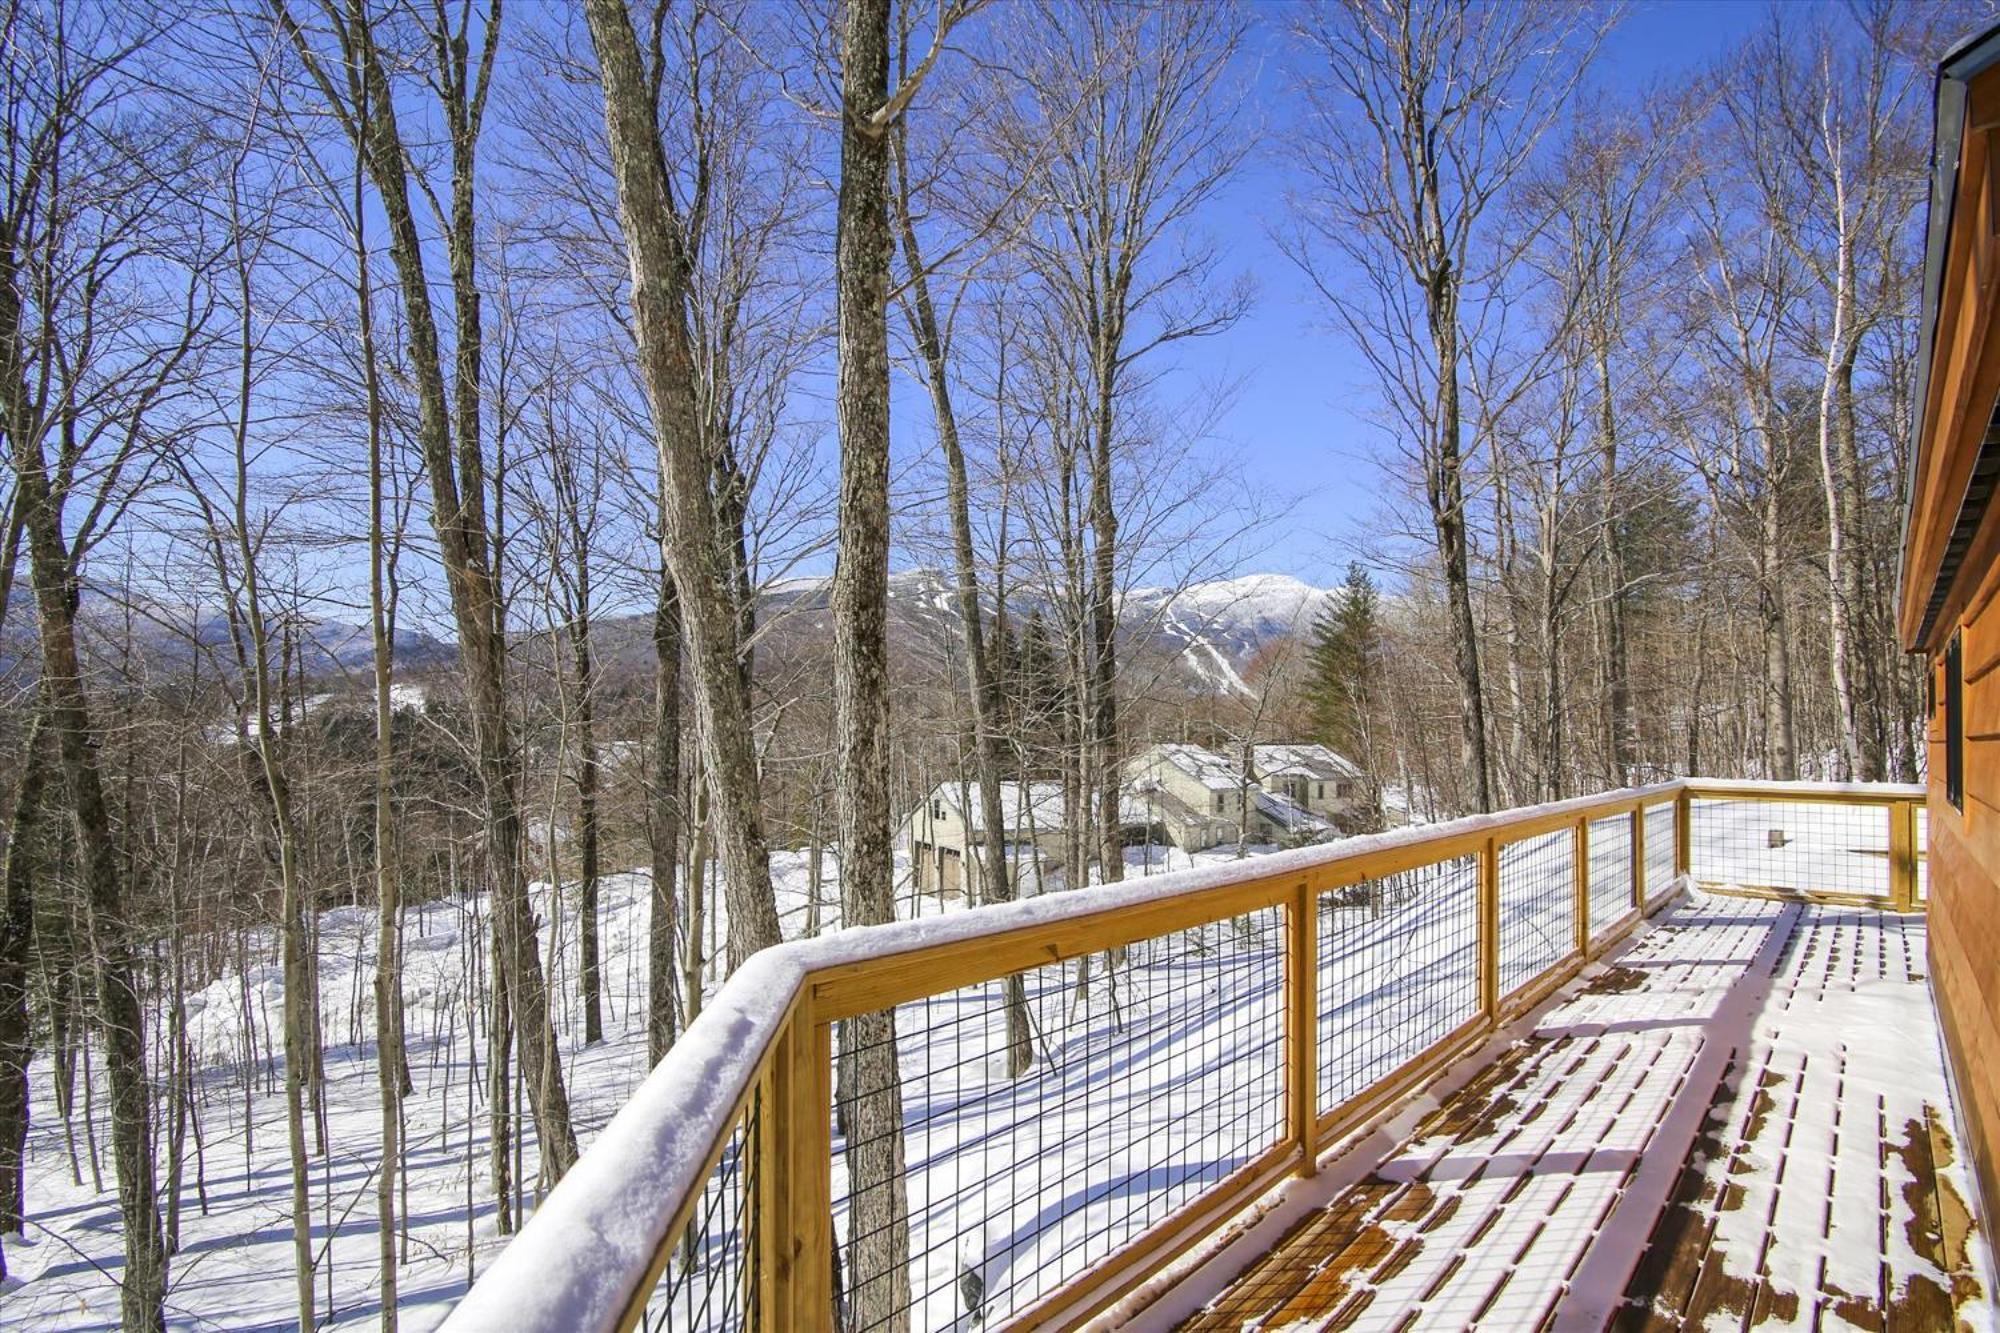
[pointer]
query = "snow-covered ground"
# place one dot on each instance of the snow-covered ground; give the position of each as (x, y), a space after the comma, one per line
(1151, 1081)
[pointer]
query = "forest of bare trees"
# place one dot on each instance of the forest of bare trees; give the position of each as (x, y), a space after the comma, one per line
(463, 461)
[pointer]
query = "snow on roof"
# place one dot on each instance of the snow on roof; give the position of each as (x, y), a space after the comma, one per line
(1287, 816)
(1205, 766)
(1304, 761)
(1044, 803)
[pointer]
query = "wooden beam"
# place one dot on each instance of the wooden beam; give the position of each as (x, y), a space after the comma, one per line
(1580, 883)
(1903, 855)
(1683, 835)
(1489, 929)
(1639, 859)
(1302, 1026)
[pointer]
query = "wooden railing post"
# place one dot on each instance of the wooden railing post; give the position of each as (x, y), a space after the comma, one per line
(792, 1225)
(1683, 835)
(1489, 929)
(1580, 858)
(1903, 855)
(1302, 1025)
(1638, 858)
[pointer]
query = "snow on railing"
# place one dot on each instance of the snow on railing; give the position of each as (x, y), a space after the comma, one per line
(722, 1173)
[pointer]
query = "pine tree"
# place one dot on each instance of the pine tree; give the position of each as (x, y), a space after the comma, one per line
(1342, 663)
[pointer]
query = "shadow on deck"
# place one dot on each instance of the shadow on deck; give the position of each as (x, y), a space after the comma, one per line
(1743, 1120)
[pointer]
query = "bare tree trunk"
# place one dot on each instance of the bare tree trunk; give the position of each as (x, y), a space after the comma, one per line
(988, 703)
(391, 1068)
(17, 922)
(589, 978)
(691, 542)
(1781, 737)
(448, 432)
(878, 1219)
(662, 1006)
(143, 1288)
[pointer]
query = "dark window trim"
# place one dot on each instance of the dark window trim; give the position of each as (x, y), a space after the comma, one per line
(1954, 723)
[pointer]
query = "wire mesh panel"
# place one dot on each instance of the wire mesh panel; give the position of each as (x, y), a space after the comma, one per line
(1611, 872)
(1537, 906)
(1398, 970)
(1792, 846)
(1923, 854)
(1147, 1075)
(1659, 849)
(706, 1286)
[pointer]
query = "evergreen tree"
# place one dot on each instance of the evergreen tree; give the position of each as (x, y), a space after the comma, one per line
(1342, 663)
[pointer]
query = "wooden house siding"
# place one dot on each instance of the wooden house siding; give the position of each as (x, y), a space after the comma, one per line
(1950, 579)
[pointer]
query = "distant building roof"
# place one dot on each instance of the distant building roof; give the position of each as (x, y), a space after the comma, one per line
(1205, 766)
(1304, 761)
(1044, 803)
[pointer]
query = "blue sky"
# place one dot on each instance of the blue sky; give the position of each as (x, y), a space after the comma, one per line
(1300, 418)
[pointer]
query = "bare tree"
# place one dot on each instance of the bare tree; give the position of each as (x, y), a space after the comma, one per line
(1416, 117)
(692, 542)
(448, 433)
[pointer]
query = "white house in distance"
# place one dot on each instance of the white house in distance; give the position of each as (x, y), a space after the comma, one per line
(1312, 777)
(944, 841)
(1199, 799)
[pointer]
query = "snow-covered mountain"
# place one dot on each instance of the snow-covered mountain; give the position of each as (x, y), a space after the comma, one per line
(1203, 633)
(1201, 636)
(1217, 628)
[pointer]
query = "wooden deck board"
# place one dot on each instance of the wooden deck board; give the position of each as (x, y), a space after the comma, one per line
(1822, 1187)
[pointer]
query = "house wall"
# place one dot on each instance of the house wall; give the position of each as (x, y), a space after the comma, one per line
(1964, 890)
(1175, 779)
(1964, 847)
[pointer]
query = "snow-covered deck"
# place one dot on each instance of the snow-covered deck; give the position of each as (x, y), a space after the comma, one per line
(1742, 1122)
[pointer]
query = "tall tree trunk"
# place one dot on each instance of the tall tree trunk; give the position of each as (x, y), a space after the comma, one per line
(1781, 755)
(17, 922)
(1617, 684)
(662, 1009)
(1445, 490)
(101, 869)
(878, 1218)
(589, 975)
(391, 1069)
(691, 541)
(448, 433)
(988, 702)
(120, 1012)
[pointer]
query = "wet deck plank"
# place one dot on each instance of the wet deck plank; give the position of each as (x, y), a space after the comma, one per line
(1773, 1068)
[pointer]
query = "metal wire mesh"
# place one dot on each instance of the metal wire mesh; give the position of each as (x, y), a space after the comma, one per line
(1156, 1072)
(1537, 906)
(1398, 970)
(1791, 846)
(706, 1286)
(1611, 872)
(1659, 849)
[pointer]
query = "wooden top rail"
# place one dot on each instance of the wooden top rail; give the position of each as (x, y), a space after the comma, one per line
(1833, 793)
(589, 1257)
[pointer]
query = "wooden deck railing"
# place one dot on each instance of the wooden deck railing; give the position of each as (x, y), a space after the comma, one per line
(1254, 1015)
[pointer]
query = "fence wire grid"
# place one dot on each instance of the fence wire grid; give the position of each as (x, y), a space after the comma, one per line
(1155, 1071)
(1791, 846)
(1398, 970)
(1611, 872)
(1537, 906)
(706, 1285)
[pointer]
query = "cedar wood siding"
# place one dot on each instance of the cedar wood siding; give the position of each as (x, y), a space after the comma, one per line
(1943, 593)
